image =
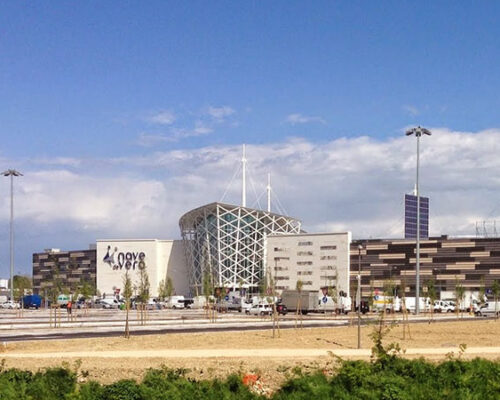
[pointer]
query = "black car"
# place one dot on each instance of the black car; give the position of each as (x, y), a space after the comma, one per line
(364, 307)
(281, 309)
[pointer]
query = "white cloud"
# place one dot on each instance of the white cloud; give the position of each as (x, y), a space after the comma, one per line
(58, 161)
(165, 117)
(412, 110)
(298, 118)
(219, 113)
(176, 134)
(354, 184)
(152, 139)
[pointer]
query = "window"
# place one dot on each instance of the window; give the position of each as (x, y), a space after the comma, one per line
(282, 278)
(281, 258)
(280, 249)
(304, 273)
(304, 263)
(305, 243)
(304, 253)
(281, 268)
(328, 277)
(328, 248)
(328, 258)
(307, 283)
(327, 268)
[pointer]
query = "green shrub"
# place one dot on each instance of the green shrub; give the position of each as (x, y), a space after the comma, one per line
(385, 378)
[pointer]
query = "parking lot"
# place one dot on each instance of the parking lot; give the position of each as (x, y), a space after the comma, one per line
(50, 324)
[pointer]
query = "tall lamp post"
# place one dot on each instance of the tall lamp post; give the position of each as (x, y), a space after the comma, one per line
(418, 132)
(12, 173)
(358, 296)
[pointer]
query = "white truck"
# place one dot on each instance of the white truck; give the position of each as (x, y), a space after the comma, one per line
(424, 304)
(308, 300)
(469, 302)
(389, 303)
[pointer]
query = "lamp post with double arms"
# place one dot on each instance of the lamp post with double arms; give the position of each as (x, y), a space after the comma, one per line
(12, 173)
(358, 296)
(418, 132)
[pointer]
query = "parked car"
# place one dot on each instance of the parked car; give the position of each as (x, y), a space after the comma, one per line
(62, 300)
(81, 303)
(176, 302)
(32, 301)
(107, 303)
(488, 309)
(11, 304)
(188, 303)
(365, 307)
(281, 309)
(246, 305)
(443, 306)
(260, 309)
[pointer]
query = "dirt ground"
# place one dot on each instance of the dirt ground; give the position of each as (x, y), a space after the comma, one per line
(273, 370)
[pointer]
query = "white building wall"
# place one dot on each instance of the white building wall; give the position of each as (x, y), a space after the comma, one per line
(123, 253)
(318, 260)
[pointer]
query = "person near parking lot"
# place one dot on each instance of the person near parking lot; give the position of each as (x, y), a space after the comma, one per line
(69, 306)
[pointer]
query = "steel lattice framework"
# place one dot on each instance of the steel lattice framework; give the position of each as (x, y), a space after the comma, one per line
(228, 241)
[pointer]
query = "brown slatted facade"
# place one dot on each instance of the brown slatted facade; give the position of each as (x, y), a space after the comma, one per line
(75, 267)
(471, 261)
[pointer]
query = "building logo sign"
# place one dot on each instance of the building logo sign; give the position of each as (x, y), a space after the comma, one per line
(128, 260)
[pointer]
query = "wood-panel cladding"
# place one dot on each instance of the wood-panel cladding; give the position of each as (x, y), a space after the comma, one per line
(75, 267)
(469, 260)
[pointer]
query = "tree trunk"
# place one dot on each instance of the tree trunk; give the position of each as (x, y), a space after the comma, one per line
(127, 331)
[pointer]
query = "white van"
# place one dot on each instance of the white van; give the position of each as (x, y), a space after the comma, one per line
(488, 309)
(389, 303)
(176, 302)
(109, 303)
(62, 300)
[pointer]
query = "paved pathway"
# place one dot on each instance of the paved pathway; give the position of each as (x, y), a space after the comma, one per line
(241, 353)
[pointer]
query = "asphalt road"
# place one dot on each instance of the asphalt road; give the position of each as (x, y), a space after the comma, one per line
(111, 324)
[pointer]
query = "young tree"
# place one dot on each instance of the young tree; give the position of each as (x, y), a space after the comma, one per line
(495, 290)
(208, 289)
(165, 289)
(127, 294)
(56, 288)
(298, 286)
(459, 296)
(21, 285)
(432, 294)
(143, 289)
(482, 292)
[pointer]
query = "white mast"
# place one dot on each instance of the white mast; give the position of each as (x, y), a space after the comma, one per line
(268, 188)
(244, 180)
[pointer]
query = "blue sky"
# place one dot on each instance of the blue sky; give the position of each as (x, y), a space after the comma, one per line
(109, 90)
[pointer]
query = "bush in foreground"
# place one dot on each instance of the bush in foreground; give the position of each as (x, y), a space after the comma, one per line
(388, 377)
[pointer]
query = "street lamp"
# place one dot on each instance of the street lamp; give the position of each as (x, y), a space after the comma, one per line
(12, 173)
(358, 295)
(418, 132)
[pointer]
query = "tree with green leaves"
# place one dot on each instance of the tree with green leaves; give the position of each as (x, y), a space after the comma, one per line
(165, 289)
(127, 294)
(22, 284)
(208, 289)
(432, 294)
(495, 290)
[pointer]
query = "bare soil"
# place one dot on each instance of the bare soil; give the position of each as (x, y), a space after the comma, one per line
(273, 370)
